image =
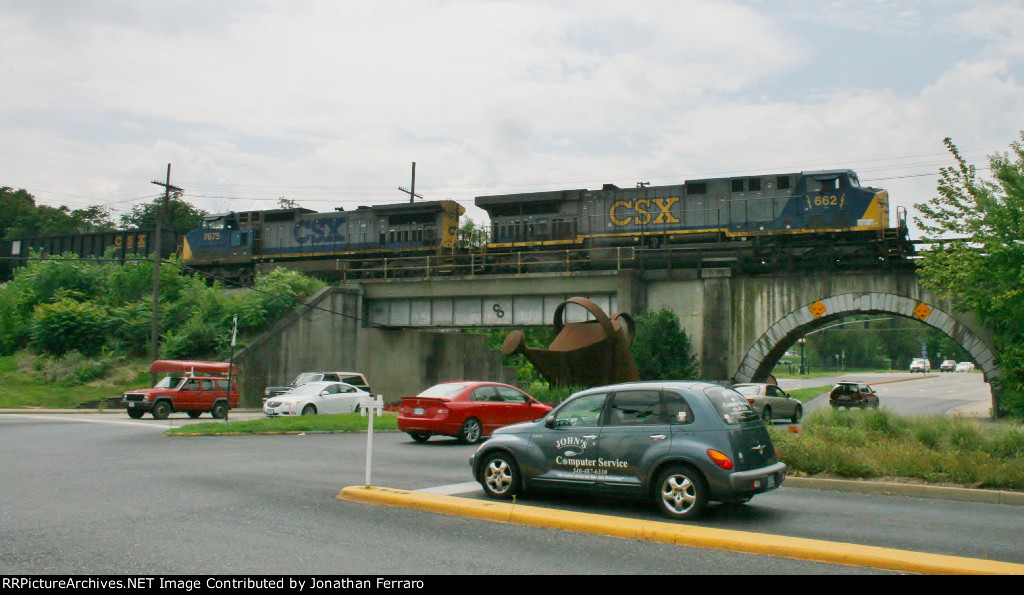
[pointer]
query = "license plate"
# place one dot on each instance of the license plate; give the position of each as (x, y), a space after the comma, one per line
(771, 481)
(418, 411)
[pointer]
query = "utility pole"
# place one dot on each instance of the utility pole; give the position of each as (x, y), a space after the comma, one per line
(412, 192)
(161, 214)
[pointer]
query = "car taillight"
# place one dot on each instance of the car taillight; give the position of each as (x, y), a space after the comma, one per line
(751, 401)
(720, 459)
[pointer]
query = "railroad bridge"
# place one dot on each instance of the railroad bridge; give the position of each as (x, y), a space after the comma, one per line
(740, 325)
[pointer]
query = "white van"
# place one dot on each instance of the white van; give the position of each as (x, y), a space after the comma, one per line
(920, 364)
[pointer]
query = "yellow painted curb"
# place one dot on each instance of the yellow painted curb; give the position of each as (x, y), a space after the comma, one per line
(681, 534)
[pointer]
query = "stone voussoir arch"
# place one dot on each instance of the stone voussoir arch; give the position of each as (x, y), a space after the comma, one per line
(764, 353)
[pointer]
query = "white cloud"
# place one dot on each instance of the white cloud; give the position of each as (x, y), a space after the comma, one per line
(328, 102)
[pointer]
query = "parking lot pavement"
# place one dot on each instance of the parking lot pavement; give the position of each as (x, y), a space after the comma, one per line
(679, 533)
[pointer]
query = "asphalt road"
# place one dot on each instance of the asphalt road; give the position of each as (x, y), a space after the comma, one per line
(912, 394)
(102, 494)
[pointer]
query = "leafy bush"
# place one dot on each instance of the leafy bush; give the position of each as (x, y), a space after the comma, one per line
(68, 325)
(74, 368)
(43, 279)
(882, 444)
(129, 328)
(198, 336)
(277, 292)
(13, 320)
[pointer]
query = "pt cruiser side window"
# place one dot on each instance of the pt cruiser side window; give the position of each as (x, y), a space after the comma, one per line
(635, 408)
(677, 410)
(584, 411)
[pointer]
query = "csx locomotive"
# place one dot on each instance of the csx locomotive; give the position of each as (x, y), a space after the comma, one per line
(719, 208)
(760, 223)
(236, 245)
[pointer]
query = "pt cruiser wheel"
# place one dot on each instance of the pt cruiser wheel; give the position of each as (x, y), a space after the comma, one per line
(500, 476)
(681, 493)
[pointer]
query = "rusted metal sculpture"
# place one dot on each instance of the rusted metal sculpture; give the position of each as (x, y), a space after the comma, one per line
(591, 353)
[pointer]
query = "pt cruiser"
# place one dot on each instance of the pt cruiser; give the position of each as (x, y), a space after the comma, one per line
(681, 443)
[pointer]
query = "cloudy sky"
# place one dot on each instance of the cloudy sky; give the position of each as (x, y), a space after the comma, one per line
(329, 102)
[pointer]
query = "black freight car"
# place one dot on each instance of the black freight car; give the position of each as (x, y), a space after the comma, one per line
(120, 246)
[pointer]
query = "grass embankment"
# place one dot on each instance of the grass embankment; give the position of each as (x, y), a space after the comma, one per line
(31, 382)
(880, 444)
(343, 422)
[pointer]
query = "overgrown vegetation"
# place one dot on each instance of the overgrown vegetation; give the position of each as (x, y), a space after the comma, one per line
(62, 382)
(63, 305)
(880, 444)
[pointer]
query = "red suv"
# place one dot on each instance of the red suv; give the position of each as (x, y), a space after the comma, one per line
(192, 387)
(852, 394)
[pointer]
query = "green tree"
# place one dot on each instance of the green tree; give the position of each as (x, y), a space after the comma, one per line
(20, 217)
(16, 208)
(981, 268)
(472, 234)
(181, 216)
(661, 349)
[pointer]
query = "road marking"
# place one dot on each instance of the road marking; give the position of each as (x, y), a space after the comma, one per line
(113, 422)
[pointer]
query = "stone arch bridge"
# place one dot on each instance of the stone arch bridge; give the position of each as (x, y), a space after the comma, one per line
(740, 325)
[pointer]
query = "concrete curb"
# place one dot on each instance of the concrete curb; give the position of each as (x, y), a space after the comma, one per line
(681, 534)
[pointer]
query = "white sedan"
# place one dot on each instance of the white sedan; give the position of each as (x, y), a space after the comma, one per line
(964, 367)
(317, 397)
(770, 401)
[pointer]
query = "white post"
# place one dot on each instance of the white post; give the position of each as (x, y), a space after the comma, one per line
(376, 408)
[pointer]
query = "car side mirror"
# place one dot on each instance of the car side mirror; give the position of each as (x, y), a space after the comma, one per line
(549, 421)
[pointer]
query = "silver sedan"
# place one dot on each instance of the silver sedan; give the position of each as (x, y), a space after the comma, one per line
(771, 402)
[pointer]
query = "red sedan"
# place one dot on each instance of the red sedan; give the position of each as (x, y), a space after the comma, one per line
(467, 410)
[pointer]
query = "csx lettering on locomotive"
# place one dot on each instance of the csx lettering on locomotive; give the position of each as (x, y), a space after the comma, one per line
(638, 212)
(319, 231)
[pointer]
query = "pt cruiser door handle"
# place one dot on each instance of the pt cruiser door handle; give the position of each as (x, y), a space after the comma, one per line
(591, 437)
(659, 437)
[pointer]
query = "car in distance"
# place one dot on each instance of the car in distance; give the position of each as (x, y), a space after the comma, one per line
(920, 364)
(468, 410)
(964, 367)
(853, 394)
(314, 398)
(770, 401)
(947, 365)
(354, 378)
(681, 443)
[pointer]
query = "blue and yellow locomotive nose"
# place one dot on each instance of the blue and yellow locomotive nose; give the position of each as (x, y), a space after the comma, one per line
(835, 200)
(876, 216)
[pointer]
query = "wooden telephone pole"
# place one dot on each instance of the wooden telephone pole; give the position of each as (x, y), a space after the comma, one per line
(412, 192)
(161, 215)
